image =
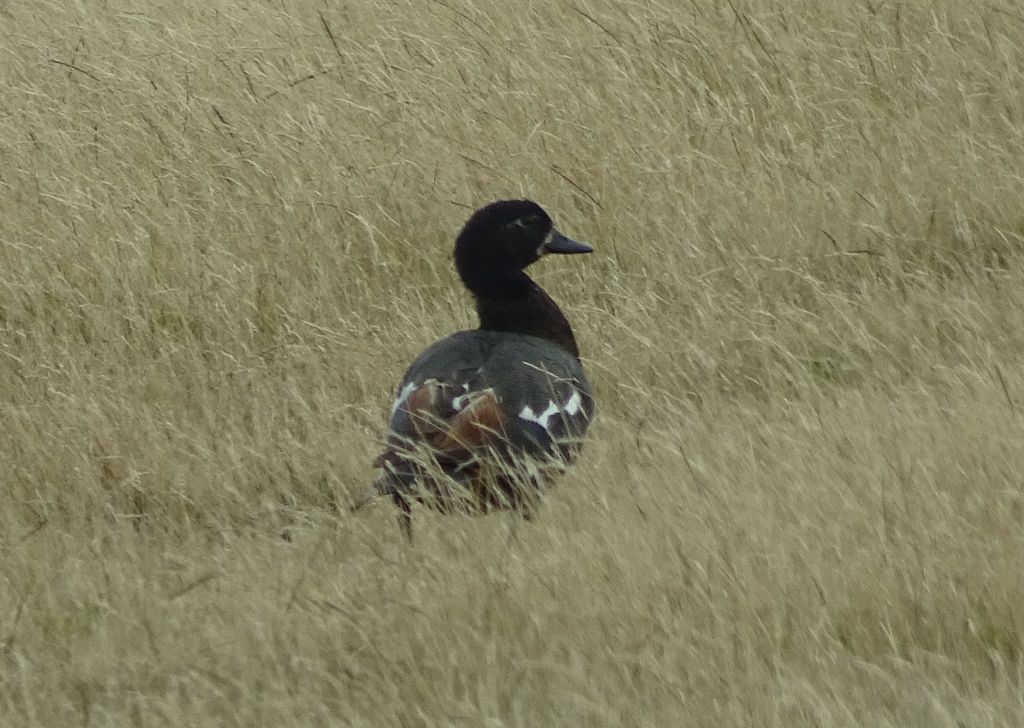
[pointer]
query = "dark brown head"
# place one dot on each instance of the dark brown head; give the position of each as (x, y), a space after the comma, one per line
(502, 239)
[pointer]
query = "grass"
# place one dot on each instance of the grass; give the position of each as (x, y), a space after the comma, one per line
(225, 229)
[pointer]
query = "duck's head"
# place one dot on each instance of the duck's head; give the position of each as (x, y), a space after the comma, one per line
(504, 237)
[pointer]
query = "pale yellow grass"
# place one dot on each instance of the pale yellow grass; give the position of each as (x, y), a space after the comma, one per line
(225, 229)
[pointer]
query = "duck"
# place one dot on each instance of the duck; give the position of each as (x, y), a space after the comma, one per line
(484, 418)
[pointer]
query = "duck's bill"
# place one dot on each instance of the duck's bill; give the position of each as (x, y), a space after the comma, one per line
(558, 243)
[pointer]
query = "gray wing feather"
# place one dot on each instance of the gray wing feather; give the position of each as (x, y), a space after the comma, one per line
(541, 387)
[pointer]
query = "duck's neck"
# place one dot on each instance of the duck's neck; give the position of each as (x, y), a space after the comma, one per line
(516, 304)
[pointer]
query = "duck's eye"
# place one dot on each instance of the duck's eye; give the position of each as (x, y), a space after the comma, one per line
(528, 222)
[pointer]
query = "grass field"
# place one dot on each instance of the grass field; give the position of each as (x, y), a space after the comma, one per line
(225, 229)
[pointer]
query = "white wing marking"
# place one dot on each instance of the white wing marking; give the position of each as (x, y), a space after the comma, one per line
(542, 419)
(574, 403)
(402, 396)
(460, 402)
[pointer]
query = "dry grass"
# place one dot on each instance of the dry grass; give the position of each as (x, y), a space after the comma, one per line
(225, 228)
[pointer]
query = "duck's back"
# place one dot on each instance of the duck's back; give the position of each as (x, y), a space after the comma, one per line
(539, 398)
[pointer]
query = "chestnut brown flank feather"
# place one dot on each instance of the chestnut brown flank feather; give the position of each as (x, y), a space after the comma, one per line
(479, 424)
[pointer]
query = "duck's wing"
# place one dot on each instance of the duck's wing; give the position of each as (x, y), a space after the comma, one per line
(476, 392)
(546, 395)
(482, 385)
